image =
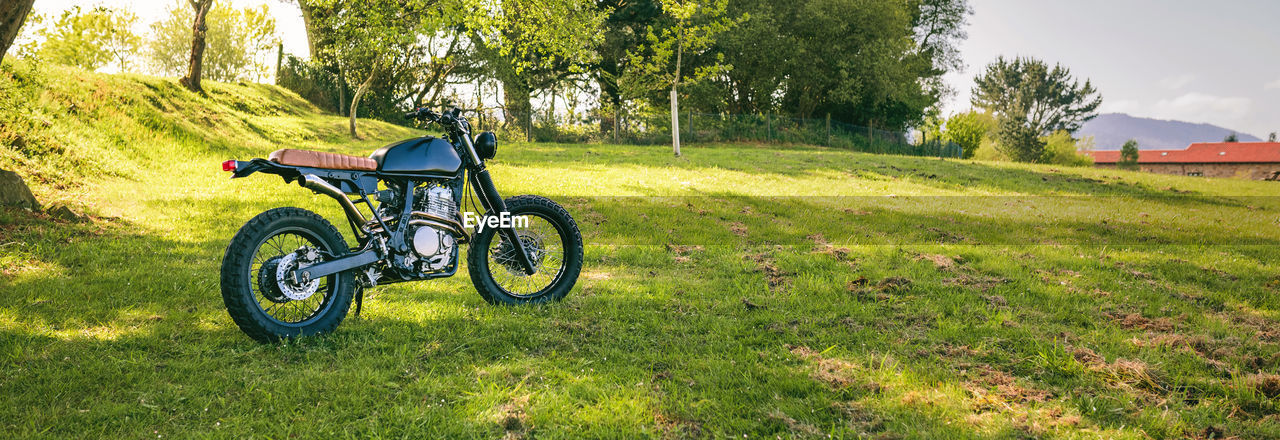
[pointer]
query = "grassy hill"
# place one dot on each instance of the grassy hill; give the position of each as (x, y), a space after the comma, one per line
(737, 291)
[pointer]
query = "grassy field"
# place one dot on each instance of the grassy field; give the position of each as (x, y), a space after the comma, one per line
(739, 291)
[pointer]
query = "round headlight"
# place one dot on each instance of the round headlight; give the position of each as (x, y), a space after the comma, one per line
(486, 145)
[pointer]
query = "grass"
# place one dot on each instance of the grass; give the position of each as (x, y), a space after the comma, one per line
(739, 291)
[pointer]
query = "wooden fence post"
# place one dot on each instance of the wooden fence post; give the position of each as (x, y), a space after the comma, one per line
(768, 126)
(279, 60)
(828, 129)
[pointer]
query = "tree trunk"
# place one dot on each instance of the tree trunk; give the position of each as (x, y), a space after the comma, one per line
(308, 22)
(198, 29)
(12, 14)
(515, 95)
(355, 99)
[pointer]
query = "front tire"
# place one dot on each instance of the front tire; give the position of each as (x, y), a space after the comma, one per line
(551, 234)
(268, 309)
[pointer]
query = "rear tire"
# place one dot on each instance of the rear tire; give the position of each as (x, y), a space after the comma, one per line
(251, 290)
(485, 262)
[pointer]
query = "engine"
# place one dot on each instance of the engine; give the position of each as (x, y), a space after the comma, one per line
(433, 243)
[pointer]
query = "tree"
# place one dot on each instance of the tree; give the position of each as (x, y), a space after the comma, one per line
(13, 14)
(238, 43)
(1047, 100)
(531, 45)
(1128, 156)
(198, 29)
(1017, 140)
(90, 39)
(371, 38)
(1061, 148)
(866, 62)
(968, 130)
(693, 28)
(1231, 138)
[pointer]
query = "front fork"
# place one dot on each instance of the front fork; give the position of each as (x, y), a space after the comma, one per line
(493, 203)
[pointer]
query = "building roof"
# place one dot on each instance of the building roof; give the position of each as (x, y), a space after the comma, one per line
(1219, 152)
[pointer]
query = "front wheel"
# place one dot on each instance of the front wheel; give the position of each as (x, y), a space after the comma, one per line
(553, 242)
(261, 296)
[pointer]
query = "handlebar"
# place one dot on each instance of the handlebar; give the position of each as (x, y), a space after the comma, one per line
(449, 118)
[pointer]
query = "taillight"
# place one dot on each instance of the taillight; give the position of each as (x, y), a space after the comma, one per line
(229, 165)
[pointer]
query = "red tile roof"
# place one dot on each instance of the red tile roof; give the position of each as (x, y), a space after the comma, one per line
(1221, 152)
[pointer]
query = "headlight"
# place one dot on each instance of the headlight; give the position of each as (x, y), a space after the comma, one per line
(486, 145)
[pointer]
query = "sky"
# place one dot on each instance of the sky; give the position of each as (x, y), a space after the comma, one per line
(1191, 60)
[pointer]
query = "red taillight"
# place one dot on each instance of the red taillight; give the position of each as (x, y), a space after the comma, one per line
(229, 165)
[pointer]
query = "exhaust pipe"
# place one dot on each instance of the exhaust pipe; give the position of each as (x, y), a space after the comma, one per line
(320, 186)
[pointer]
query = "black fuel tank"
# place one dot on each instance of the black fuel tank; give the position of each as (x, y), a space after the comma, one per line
(424, 155)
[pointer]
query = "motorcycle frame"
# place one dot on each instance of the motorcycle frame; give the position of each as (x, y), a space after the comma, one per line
(339, 184)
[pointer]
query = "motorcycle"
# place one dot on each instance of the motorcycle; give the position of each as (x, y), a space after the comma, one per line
(289, 273)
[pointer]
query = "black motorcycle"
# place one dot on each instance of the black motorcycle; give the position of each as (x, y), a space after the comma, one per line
(289, 273)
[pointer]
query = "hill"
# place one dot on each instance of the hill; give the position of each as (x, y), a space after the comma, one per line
(739, 291)
(1110, 132)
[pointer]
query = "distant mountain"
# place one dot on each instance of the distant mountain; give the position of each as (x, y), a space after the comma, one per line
(1110, 131)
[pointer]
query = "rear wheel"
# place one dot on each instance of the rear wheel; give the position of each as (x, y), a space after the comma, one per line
(553, 242)
(261, 296)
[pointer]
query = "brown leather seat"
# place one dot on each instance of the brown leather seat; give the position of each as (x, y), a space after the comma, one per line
(317, 159)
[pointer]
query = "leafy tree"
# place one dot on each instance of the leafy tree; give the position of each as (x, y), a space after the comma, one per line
(1018, 141)
(370, 39)
(1232, 138)
(626, 24)
(90, 39)
(239, 43)
(1046, 99)
(12, 15)
(532, 45)
(863, 62)
(691, 27)
(1128, 156)
(1060, 148)
(969, 129)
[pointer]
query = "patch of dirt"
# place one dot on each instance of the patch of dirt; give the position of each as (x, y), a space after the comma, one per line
(793, 425)
(994, 389)
(513, 419)
(1134, 321)
(682, 253)
(776, 277)
(941, 261)
(1267, 384)
(826, 248)
(837, 373)
(996, 301)
(860, 419)
(881, 291)
(676, 428)
(739, 229)
(981, 282)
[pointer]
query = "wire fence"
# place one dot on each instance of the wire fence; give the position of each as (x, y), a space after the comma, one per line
(655, 129)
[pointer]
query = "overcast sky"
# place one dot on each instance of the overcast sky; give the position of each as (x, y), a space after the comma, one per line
(1191, 60)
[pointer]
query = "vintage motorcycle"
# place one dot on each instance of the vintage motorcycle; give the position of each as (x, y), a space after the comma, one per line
(289, 273)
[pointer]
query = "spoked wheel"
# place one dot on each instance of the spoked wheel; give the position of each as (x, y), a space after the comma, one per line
(264, 300)
(553, 243)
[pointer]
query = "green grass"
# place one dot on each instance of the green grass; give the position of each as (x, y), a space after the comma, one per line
(737, 291)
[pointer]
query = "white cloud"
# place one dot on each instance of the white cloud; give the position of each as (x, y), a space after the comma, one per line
(1197, 107)
(1274, 85)
(1177, 82)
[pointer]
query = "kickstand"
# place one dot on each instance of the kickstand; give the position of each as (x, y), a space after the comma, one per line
(359, 300)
